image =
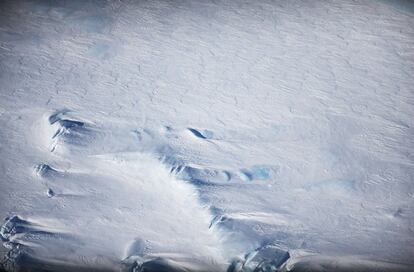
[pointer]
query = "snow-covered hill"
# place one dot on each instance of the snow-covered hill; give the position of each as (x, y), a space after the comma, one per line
(207, 135)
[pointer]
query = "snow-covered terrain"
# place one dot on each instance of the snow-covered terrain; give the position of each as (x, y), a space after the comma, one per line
(207, 135)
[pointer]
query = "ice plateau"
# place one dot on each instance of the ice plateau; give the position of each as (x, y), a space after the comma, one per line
(191, 135)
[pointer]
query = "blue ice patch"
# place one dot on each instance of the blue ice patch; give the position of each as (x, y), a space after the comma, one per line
(205, 134)
(208, 134)
(260, 172)
(255, 173)
(245, 175)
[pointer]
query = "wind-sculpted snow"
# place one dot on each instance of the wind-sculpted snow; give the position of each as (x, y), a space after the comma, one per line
(233, 136)
(155, 200)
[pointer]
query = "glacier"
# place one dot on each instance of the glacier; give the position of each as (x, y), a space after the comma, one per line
(207, 135)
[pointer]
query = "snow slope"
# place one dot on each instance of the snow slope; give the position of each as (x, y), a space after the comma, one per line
(202, 135)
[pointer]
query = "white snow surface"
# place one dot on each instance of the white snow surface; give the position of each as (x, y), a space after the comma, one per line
(199, 131)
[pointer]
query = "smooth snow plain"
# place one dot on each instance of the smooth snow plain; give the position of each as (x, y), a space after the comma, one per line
(207, 135)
